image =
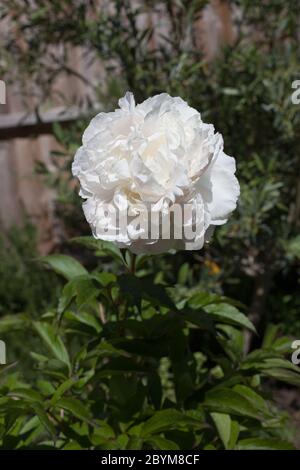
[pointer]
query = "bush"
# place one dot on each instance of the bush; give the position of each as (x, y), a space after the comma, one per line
(124, 362)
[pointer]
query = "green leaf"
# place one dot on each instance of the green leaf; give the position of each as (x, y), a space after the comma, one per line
(226, 313)
(85, 318)
(54, 342)
(225, 400)
(102, 433)
(223, 424)
(201, 299)
(282, 344)
(40, 358)
(145, 289)
(29, 425)
(253, 397)
(199, 318)
(270, 336)
(234, 434)
(65, 266)
(122, 441)
(75, 407)
(164, 420)
(232, 341)
(44, 419)
(292, 247)
(64, 387)
(107, 349)
(101, 247)
(278, 362)
(105, 279)
(161, 443)
(183, 273)
(272, 366)
(264, 444)
(283, 375)
(45, 387)
(82, 289)
(13, 322)
(7, 367)
(26, 394)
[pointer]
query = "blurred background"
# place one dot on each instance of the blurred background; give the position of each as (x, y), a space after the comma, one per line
(233, 60)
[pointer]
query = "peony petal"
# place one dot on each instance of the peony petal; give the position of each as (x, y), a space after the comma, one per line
(220, 188)
(127, 103)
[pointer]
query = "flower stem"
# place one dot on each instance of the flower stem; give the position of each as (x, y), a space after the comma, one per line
(132, 263)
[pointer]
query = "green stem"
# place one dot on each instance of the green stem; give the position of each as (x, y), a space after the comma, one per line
(133, 263)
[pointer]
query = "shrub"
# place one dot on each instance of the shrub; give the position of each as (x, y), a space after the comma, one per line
(125, 362)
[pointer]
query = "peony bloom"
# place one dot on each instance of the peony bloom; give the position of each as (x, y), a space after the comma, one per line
(147, 159)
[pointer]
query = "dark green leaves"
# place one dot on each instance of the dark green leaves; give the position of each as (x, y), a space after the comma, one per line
(53, 341)
(219, 309)
(81, 288)
(13, 323)
(227, 428)
(75, 407)
(230, 401)
(137, 289)
(272, 365)
(160, 376)
(264, 444)
(226, 313)
(101, 247)
(165, 420)
(65, 266)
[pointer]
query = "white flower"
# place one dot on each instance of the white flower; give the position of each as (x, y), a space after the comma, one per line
(148, 158)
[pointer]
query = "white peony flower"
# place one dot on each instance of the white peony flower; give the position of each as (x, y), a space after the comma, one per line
(146, 160)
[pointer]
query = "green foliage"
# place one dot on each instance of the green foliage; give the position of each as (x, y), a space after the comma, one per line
(122, 363)
(24, 287)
